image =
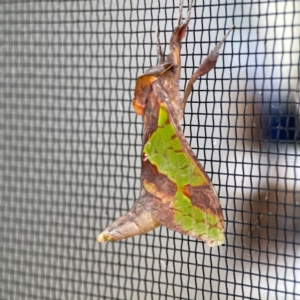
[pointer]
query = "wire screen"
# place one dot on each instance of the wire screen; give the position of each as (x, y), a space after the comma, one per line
(71, 149)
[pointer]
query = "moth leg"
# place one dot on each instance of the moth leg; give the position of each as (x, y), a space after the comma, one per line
(208, 64)
(161, 56)
(180, 13)
(187, 19)
(179, 34)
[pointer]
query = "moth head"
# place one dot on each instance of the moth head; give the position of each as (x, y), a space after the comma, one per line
(144, 85)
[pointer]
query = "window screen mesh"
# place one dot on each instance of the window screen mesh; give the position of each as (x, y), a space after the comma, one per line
(71, 143)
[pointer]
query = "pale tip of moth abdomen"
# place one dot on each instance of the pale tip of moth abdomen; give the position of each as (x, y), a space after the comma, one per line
(122, 228)
(104, 237)
(136, 222)
(118, 231)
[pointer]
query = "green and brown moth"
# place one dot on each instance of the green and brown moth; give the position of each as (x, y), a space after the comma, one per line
(175, 189)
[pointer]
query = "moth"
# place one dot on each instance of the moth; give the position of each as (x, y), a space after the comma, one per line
(175, 190)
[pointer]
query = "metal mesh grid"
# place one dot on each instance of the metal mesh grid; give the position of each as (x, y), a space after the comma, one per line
(71, 144)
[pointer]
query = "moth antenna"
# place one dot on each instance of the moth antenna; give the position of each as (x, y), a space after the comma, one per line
(160, 54)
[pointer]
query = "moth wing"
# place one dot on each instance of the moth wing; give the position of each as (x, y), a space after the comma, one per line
(181, 197)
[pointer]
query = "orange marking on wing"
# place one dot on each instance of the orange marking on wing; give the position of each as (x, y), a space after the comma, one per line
(186, 190)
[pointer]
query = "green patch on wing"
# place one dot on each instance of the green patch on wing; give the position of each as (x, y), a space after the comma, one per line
(195, 220)
(164, 150)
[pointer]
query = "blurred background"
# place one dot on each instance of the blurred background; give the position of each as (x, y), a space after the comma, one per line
(71, 143)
